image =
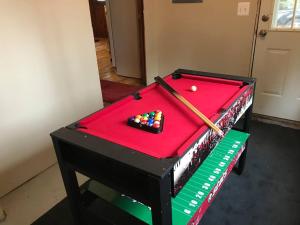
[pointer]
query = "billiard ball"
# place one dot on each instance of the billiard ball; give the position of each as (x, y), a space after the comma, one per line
(138, 117)
(193, 88)
(144, 119)
(144, 122)
(157, 118)
(156, 124)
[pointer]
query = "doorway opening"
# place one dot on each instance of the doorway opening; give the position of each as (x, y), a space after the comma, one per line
(118, 28)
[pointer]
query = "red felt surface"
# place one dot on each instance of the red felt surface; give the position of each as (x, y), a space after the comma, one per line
(181, 126)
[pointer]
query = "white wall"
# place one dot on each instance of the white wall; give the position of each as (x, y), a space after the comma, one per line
(48, 78)
(206, 36)
(124, 23)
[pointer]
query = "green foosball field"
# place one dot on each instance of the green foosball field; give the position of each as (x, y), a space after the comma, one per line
(193, 200)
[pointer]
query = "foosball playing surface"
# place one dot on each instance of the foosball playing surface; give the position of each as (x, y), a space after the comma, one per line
(192, 201)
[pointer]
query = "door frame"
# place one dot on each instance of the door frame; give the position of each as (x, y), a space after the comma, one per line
(141, 30)
(255, 32)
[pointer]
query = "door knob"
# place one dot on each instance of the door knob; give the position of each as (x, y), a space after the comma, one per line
(265, 18)
(263, 33)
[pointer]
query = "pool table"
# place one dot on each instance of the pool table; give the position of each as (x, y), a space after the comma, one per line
(146, 166)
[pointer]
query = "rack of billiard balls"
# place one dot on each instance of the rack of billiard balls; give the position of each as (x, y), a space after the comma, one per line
(151, 122)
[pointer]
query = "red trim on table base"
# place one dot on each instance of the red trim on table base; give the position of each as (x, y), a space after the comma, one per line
(203, 146)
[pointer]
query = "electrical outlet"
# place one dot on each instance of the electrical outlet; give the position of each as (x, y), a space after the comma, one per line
(243, 9)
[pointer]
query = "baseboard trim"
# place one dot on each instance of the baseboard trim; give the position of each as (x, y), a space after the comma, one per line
(277, 121)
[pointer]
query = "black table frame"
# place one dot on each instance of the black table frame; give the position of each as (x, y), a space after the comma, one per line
(132, 173)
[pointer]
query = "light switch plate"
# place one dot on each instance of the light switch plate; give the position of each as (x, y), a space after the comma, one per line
(243, 9)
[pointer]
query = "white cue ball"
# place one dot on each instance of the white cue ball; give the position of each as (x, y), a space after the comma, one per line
(193, 88)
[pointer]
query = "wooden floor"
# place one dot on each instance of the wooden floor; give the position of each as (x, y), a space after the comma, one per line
(106, 70)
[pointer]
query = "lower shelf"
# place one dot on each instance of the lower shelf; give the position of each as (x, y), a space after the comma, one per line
(193, 200)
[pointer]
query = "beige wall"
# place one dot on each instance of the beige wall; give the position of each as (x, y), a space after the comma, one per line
(208, 36)
(124, 23)
(48, 78)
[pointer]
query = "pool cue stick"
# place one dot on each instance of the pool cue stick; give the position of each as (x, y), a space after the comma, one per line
(189, 105)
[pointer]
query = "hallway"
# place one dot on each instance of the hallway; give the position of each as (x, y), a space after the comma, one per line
(106, 69)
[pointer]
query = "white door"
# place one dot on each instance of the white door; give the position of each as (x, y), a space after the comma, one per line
(125, 32)
(277, 59)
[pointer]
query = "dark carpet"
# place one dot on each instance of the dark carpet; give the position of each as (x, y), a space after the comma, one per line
(113, 91)
(267, 193)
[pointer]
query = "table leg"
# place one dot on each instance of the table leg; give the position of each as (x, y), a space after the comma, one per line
(161, 204)
(247, 121)
(246, 128)
(71, 186)
(242, 161)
